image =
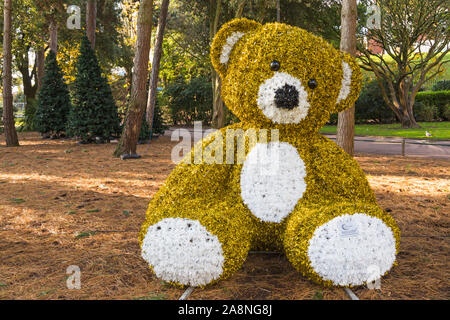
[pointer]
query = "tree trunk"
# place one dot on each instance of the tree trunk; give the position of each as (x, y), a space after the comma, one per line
(261, 9)
(29, 89)
(219, 116)
(153, 87)
(91, 21)
(219, 113)
(410, 110)
(399, 108)
(240, 9)
(278, 11)
(407, 119)
(40, 61)
(53, 36)
(8, 111)
(407, 104)
(346, 119)
(130, 134)
(220, 110)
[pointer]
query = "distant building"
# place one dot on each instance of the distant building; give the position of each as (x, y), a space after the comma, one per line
(375, 47)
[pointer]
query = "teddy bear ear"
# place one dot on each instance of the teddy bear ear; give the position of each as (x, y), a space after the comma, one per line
(350, 83)
(226, 39)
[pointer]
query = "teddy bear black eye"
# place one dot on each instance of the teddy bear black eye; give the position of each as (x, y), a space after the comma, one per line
(312, 83)
(274, 65)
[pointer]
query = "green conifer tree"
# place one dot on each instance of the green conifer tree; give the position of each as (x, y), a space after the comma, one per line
(94, 112)
(53, 100)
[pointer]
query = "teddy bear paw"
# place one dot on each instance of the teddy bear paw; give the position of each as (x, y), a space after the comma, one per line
(181, 250)
(352, 249)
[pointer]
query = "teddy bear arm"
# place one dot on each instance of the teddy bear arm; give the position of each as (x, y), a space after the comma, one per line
(337, 176)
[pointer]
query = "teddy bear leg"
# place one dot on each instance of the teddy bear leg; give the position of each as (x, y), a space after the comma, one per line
(342, 244)
(197, 246)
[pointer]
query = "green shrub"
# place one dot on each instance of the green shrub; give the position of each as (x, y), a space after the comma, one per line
(333, 118)
(189, 101)
(144, 134)
(29, 114)
(158, 124)
(445, 113)
(439, 99)
(425, 111)
(231, 118)
(442, 85)
(370, 106)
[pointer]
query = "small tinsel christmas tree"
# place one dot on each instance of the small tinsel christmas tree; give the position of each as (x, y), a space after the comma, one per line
(53, 100)
(94, 113)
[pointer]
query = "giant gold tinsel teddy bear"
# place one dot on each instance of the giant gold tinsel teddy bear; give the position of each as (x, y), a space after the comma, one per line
(272, 181)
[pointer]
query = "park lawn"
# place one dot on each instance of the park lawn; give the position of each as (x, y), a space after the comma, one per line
(438, 130)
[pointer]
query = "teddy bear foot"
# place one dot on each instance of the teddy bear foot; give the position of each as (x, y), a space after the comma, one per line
(352, 249)
(182, 251)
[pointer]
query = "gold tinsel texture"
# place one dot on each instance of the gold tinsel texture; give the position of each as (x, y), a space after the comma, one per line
(320, 210)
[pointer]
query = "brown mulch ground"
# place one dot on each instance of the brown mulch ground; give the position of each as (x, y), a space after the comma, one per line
(66, 204)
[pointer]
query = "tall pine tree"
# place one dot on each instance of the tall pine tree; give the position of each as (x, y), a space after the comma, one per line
(53, 101)
(94, 112)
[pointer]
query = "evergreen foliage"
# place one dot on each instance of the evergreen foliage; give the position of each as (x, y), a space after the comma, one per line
(94, 112)
(53, 100)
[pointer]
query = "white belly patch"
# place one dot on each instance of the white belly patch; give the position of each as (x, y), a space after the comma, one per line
(272, 180)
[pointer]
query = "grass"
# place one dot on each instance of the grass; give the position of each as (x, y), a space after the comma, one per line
(17, 200)
(318, 295)
(85, 234)
(438, 130)
(46, 292)
(152, 297)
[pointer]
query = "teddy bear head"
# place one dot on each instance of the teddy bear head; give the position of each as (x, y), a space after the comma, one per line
(280, 76)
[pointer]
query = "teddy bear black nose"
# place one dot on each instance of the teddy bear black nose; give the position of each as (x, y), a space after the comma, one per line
(286, 97)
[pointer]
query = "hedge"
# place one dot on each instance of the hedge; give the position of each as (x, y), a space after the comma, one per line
(433, 101)
(441, 85)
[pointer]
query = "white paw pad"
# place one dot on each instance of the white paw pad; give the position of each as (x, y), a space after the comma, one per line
(348, 249)
(183, 251)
